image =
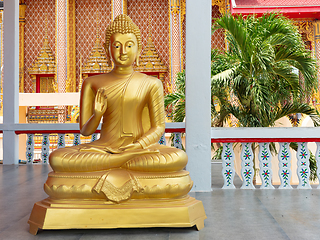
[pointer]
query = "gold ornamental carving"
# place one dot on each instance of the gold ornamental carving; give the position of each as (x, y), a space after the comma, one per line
(97, 61)
(105, 183)
(306, 29)
(175, 7)
(175, 10)
(150, 60)
(45, 62)
(221, 4)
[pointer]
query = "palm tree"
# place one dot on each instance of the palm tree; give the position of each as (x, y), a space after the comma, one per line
(254, 81)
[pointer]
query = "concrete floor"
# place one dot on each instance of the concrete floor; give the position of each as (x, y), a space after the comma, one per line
(232, 214)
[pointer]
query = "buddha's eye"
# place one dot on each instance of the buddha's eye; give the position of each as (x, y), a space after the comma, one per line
(130, 44)
(116, 45)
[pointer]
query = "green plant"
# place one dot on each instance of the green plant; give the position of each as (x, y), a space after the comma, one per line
(254, 81)
(176, 100)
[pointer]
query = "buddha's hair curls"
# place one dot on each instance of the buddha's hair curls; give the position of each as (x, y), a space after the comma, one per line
(122, 24)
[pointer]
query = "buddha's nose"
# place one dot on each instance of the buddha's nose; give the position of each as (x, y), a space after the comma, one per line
(123, 50)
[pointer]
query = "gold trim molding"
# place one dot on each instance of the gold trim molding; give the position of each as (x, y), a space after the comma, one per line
(183, 14)
(112, 11)
(125, 7)
(71, 45)
(22, 22)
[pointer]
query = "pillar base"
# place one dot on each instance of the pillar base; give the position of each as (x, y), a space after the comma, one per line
(145, 213)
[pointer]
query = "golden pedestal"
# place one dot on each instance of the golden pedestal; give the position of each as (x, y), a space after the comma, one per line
(135, 213)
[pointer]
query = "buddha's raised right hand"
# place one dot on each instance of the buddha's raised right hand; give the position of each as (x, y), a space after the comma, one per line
(100, 102)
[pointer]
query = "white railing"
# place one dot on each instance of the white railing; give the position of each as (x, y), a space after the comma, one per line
(44, 138)
(264, 136)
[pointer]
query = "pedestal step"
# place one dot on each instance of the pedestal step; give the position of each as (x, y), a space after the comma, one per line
(53, 214)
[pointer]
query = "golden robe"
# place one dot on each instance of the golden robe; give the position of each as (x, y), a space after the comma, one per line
(135, 113)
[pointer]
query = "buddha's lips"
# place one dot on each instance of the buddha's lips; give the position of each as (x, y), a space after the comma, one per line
(123, 58)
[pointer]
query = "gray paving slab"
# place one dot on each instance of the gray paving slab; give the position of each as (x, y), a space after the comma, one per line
(232, 214)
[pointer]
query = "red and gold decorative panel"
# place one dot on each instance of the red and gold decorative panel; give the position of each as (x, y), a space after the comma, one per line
(86, 25)
(138, 11)
(35, 18)
(217, 38)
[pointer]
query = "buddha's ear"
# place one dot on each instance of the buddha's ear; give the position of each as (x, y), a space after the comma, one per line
(108, 53)
(137, 59)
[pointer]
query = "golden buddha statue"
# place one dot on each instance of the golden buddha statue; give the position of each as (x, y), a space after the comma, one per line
(126, 166)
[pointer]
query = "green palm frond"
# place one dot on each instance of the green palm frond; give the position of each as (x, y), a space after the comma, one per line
(173, 98)
(291, 78)
(225, 76)
(253, 79)
(258, 68)
(293, 108)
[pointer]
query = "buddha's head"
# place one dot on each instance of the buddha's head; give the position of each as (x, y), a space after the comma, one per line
(123, 41)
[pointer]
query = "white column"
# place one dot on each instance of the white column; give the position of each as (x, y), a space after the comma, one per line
(198, 93)
(11, 80)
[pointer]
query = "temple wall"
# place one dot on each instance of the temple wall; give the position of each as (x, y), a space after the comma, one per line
(138, 11)
(86, 25)
(35, 32)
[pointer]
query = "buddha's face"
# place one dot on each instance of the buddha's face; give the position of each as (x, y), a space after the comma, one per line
(123, 49)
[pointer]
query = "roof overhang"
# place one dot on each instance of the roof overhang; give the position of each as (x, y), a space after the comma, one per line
(288, 11)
